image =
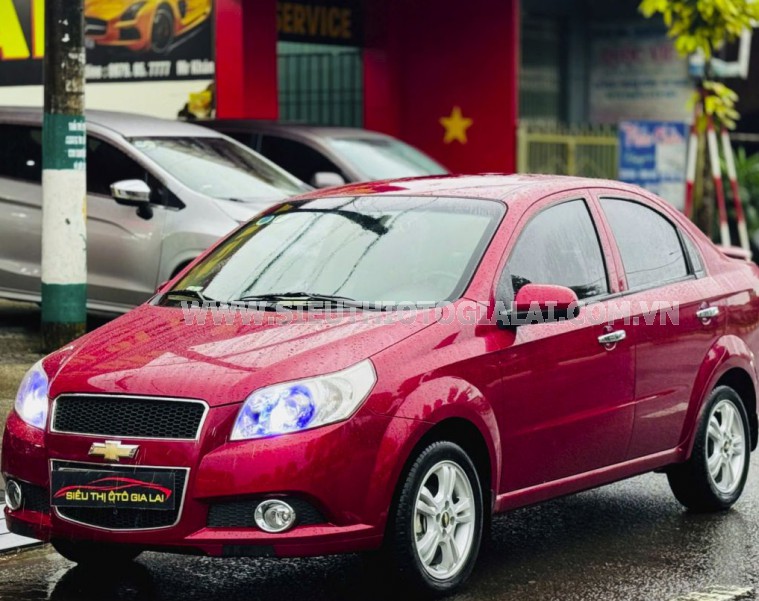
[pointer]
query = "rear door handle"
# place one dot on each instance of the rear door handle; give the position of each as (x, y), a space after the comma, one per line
(612, 337)
(707, 313)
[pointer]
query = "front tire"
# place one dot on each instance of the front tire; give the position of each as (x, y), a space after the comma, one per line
(435, 532)
(99, 555)
(714, 476)
(162, 30)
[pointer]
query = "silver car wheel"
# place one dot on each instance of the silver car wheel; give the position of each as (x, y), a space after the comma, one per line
(444, 520)
(725, 447)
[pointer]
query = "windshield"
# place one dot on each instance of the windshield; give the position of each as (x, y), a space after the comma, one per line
(384, 158)
(366, 249)
(220, 168)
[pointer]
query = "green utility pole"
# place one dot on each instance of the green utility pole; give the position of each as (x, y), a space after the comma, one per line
(64, 186)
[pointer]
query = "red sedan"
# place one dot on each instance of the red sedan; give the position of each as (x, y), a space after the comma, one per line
(384, 366)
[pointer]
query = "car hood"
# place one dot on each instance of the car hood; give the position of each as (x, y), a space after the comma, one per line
(156, 351)
(108, 9)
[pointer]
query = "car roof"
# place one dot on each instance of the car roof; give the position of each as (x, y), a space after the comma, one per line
(298, 129)
(129, 125)
(488, 186)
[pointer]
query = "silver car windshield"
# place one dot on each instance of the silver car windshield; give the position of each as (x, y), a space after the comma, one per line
(220, 168)
(384, 158)
(364, 249)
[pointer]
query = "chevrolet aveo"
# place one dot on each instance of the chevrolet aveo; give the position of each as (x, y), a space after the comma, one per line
(385, 366)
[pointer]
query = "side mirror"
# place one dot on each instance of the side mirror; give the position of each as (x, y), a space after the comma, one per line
(327, 179)
(133, 193)
(540, 303)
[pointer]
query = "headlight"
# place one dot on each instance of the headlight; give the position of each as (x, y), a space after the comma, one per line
(130, 14)
(31, 399)
(304, 404)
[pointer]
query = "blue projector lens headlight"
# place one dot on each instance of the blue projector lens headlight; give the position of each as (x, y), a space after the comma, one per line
(304, 404)
(31, 399)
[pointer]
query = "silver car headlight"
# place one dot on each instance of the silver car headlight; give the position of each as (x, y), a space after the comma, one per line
(304, 404)
(31, 399)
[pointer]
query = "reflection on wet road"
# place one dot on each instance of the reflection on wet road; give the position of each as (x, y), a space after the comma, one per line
(629, 541)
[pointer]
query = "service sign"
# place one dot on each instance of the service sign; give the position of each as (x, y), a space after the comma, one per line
(117, 490)
(126, 40)
(320, 21)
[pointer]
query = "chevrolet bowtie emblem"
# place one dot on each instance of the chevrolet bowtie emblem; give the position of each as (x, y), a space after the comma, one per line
(113, 450)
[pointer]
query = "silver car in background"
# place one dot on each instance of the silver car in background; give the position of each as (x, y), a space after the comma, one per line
(158, 194)
(330, 156)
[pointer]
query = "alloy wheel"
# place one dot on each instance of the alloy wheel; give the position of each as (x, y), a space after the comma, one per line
(444, 520)
(725, 447)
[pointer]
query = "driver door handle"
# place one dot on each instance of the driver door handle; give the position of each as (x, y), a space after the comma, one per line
(612, 337)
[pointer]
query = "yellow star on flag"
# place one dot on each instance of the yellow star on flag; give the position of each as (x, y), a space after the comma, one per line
(455, 126)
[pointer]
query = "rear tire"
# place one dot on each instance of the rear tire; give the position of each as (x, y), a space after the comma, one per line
(100, 555)
(714, 476)
(435, 531)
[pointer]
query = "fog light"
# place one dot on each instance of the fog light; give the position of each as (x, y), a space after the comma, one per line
(13, 496)
(274, 516)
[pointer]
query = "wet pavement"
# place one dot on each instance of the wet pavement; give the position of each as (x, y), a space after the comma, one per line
(628, 541)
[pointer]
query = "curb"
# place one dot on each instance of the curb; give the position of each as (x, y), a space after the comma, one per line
(10, 542)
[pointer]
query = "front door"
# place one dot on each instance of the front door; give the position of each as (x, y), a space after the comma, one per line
(123, 248)
(566, 398)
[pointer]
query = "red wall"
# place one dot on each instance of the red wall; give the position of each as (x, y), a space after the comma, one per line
(246, 59)
(424, 57)
(421, 59)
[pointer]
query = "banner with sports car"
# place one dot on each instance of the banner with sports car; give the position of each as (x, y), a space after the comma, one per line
(146, 40)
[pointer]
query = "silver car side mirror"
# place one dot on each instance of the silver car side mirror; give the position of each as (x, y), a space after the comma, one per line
(133, 192)
(327, 179)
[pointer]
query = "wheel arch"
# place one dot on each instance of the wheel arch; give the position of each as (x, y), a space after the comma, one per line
(729, 362)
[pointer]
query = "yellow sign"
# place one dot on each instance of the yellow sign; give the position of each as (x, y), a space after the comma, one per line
(13, 42)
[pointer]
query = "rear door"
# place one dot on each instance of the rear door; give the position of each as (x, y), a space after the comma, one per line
(677, 310)
(566, 398)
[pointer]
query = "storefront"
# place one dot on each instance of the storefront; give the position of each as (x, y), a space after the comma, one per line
(429, 72)
(435, 73)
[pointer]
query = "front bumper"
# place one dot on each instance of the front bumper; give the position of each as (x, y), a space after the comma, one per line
(337, 469)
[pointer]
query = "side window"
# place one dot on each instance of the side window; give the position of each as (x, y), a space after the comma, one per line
(649, 243)
(250, 140)
(560, 246)
(21, 152)
(297, 158)
(106, 165)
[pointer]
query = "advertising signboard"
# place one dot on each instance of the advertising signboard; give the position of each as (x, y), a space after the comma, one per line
(146, 40)
(652, 154)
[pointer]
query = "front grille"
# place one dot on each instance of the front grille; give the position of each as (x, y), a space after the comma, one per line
(34, 498)
(239, 514)
(129, 417)
(95, 26)
(125, 519)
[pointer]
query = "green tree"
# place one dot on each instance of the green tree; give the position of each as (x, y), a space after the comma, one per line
(705, 26)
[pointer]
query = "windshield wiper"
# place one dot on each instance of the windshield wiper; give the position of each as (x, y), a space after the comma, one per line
(275, 298)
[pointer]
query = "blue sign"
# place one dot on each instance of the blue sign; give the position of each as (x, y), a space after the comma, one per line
(652, 154)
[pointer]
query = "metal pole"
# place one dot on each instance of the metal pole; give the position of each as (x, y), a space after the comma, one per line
(711, 139)
(64, 186)
(727, 150)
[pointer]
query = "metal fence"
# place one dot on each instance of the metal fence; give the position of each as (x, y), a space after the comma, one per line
(590, 151)
(323, 88)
